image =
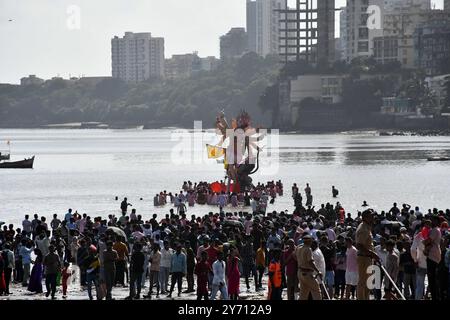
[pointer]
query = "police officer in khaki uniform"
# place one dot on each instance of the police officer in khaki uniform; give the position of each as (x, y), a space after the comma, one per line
(366, 253)
(306, 269)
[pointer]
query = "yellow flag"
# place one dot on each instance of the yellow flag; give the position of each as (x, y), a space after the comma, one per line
(215, 152)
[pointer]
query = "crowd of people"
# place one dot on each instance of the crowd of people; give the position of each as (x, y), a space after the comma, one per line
(326, 253)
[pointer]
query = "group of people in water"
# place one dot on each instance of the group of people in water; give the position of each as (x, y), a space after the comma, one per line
(305, 254)
(258, 197)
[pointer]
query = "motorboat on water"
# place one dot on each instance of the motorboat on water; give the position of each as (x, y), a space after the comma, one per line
(21, 164)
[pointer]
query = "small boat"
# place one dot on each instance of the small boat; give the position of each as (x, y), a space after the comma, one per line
(23, 164)
(439, 159)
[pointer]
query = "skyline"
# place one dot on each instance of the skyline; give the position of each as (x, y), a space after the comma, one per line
(39, 41)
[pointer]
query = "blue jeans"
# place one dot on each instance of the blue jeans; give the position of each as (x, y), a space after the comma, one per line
(223, 290)
(420, 283)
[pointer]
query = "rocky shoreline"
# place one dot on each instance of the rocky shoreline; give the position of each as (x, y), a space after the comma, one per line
(420, 133)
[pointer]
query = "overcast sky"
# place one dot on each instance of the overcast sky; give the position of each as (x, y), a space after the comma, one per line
(38, 40)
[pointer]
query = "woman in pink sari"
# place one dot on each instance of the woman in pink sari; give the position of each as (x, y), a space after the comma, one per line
(191, 199)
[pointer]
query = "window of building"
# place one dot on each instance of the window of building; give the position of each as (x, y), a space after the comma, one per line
(363, 33)
(363, 46)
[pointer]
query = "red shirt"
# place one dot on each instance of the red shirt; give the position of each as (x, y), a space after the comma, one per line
(291, 265)
(212, 254)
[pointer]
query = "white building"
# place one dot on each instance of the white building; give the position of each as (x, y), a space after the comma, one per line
(263, 21)
(397, 19)
(185, 65)
(398, 41)
(323, 88)
(137, 57)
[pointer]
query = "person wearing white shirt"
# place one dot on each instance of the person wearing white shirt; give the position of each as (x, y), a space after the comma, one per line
(155, 233)
(254, 205)
(164, 271)
(26, 225)
(419, 257)
(381, 251)
(331, 234)
(43, 242)
(351, 268)
(146, 250)
(147, 229)
(417, 212)
(176, 201)
(219, 283)
(416, 223)
(319, 259)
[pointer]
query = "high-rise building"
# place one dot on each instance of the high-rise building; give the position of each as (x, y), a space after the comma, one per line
(137, 57)
(432, 44)
(326, 31)
(307, 31)
(343, 34)
(395, 16)
(234, 44)
(359, 32)
(251, 25)
(399, 25)
(447, 5)
(263, 19)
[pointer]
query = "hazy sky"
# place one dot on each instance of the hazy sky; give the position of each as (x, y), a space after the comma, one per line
(38, 40)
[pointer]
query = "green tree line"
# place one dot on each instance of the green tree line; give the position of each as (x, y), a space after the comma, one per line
(235, 85)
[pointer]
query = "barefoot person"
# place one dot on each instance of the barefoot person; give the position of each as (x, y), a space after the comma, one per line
(178, 269)
(275, 277)
(52, 266)
(110, 257)
(202, 270)
(218, 282)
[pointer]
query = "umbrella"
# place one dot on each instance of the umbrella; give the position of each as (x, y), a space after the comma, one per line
(387, 222)
(117, 231)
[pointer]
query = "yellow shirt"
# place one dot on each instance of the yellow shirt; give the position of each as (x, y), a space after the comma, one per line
(260, 258)
(122, 250)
